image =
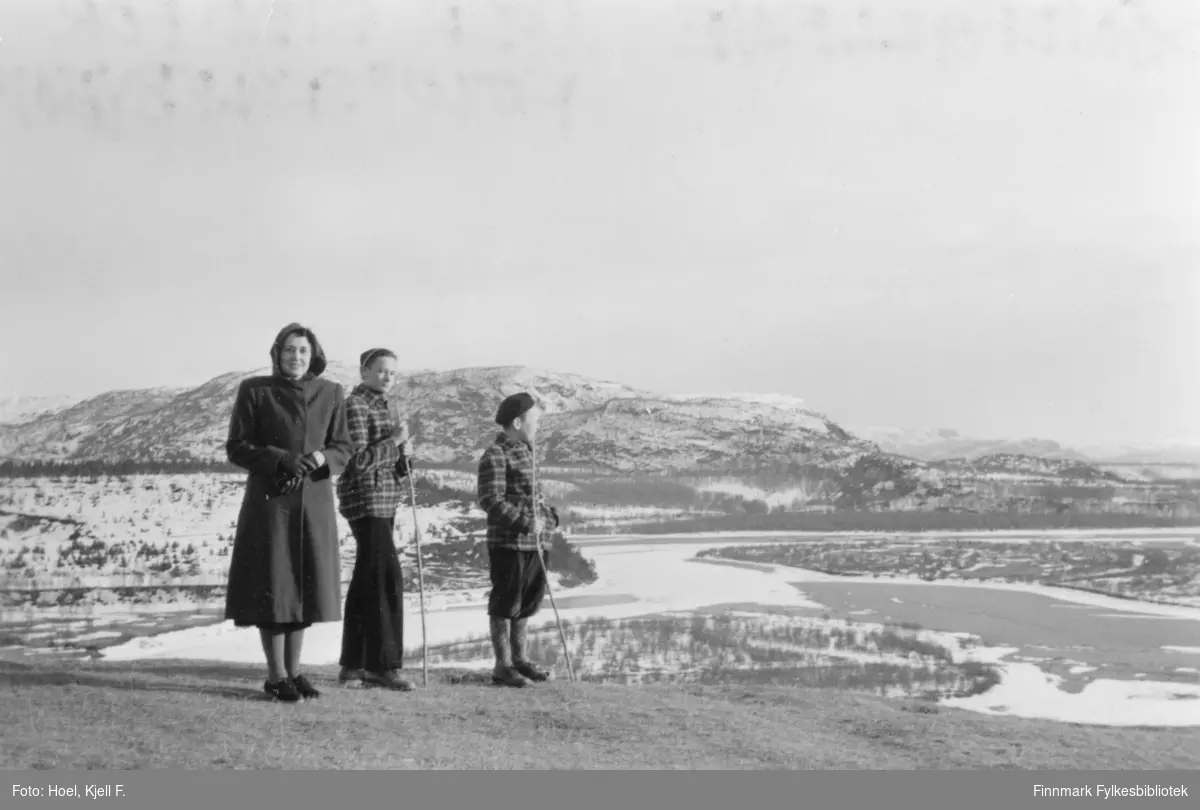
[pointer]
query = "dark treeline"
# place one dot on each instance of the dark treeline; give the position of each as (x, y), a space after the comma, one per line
(94, 468)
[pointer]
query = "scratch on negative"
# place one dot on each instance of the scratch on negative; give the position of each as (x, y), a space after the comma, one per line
(267, 22)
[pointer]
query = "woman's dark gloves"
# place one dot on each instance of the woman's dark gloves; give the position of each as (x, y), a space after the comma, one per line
(286, 484)
(293, 465)
(293, 469)
(298, 466)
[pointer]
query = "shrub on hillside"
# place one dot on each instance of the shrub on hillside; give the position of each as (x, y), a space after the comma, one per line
(565, 559)
(431, 493)
(446, 560)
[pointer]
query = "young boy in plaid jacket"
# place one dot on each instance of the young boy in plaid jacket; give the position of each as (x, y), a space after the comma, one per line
(505, 493)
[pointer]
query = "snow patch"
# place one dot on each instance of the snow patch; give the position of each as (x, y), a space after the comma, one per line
(1027, 691)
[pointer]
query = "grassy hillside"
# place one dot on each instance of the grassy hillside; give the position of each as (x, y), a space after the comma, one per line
(202, 716)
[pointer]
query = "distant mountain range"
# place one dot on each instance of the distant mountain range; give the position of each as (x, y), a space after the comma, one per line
(589, 422)
(17, 409)
(599, 427)
(935, 444)
(448, 405)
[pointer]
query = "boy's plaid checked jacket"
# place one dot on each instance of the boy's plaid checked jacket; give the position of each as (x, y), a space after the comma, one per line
(370, 485)
(505, 493)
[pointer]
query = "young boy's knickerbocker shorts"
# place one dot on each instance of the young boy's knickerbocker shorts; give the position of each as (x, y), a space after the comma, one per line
(518, 583)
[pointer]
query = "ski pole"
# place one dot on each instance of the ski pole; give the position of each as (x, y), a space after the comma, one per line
(412, 489)
(546, 573)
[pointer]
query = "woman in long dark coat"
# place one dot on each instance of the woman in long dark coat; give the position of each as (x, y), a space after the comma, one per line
(289, 431)
(369, 492)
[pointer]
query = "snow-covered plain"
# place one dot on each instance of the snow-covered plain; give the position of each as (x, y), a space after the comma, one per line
(113, 531)
(612, 515)
(796, 496)
(642, 579)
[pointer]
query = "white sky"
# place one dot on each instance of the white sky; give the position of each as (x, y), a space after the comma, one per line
(990, 224)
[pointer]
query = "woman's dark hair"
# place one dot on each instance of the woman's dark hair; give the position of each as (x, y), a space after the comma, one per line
(300, 332)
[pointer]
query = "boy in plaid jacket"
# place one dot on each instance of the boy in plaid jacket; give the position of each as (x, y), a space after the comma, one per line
(518, 577)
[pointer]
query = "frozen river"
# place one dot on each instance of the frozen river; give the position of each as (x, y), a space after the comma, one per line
(1068, 656)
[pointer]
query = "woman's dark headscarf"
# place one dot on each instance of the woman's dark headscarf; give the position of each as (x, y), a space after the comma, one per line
(369, 356)
(316, 367)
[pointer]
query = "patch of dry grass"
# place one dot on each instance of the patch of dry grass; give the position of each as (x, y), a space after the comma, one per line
(155, 714)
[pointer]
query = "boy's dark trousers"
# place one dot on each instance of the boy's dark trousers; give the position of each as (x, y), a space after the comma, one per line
(373, 623)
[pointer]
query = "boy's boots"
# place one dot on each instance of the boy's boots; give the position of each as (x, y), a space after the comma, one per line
(504, 674)
(520, 635)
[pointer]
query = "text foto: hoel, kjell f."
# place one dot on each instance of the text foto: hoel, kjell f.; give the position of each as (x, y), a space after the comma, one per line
(89, 791)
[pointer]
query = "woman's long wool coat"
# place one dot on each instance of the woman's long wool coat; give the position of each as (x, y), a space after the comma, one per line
(285, 567)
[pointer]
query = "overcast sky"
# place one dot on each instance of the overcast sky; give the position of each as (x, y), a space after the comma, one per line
(985, 221)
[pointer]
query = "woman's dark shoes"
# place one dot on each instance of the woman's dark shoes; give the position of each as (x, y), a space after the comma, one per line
(387, 680)
(305, 687)
(282, 690)
(531, 672)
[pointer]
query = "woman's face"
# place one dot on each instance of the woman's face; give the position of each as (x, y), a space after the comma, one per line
(295, 357)
(381, 374)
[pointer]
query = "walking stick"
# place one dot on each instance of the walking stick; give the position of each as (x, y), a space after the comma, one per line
(546, 573)
(412, 490)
